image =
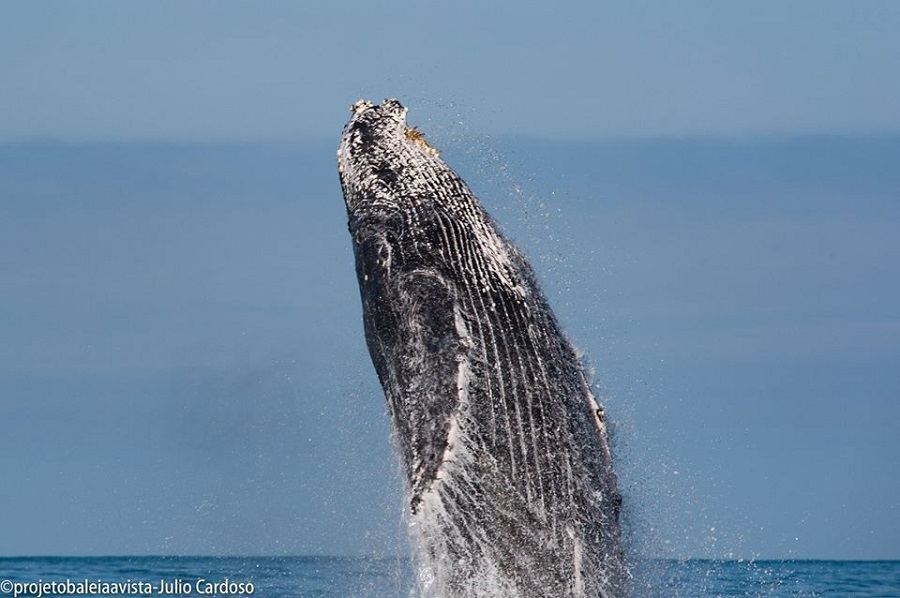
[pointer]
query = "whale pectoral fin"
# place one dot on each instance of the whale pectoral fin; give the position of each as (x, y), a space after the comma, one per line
(432, 353)
(416, 347)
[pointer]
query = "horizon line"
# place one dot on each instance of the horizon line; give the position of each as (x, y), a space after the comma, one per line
(386, 557)
(743, 137)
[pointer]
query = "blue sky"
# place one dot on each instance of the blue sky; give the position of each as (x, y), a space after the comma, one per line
(708, 194)
(212, 70)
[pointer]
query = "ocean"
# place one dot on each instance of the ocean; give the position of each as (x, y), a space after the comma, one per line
(341, 577)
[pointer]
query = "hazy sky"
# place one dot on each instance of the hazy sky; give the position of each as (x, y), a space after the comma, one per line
(182, 365)
(202, 70)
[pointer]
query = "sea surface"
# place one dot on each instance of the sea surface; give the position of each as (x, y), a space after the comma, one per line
(383, 578)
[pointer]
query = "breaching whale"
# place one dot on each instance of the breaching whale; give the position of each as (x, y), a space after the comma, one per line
(505, 448)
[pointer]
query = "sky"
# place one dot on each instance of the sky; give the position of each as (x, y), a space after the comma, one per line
(708, 193)
(214, 70)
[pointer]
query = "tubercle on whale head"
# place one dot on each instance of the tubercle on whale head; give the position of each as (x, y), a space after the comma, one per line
(377, 149)
(389, 107)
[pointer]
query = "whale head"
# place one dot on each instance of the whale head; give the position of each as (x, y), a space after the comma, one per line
(382, 158)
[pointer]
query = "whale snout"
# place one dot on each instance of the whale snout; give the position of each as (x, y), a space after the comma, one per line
(390, 107)
(378, 127)
(377, 150)
(360, 106)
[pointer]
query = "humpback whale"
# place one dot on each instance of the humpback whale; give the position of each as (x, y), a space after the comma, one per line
(505, 448)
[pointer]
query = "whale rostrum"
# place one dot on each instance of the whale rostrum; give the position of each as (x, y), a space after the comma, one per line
(505, 448)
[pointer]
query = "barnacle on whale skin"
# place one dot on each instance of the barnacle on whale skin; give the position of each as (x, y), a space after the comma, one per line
(416, 136)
